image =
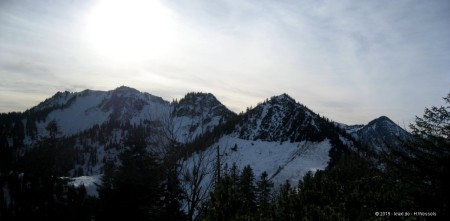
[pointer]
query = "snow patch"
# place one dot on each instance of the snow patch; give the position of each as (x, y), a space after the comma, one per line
(281, 160)
(89, 183)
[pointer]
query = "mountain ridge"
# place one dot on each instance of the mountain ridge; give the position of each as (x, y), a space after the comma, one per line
(79, 111)
(99, 123)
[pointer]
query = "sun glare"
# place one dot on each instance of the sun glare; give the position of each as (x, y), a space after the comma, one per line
(130, 30)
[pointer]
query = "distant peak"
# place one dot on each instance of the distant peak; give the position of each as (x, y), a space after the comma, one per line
(383, 118)
(125, 88)
(200, 103)
(283, 97)
(124, 91)
(199, 96)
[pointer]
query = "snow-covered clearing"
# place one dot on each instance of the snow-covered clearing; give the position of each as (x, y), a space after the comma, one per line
(89, 183)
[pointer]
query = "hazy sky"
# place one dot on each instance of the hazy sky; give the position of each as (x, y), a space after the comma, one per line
(351, 61)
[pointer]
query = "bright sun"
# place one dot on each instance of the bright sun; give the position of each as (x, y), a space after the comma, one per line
(130, 30)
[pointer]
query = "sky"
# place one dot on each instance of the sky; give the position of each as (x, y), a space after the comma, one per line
(349, 60)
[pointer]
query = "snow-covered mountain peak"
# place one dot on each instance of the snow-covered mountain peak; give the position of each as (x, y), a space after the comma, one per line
(283, 98)
(286, 104)
(126, 89)
(383, 123)
(197, 113)
(381, 133)
(280, 118)
(283, 138)
(124, 92)
(199, 96)
(199, 104)
(78, 111)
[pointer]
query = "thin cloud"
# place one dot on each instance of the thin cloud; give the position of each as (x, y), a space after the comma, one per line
(349, 60)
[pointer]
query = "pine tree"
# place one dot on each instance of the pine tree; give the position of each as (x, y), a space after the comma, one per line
(247, 192)
(263, 195)
(172, 193)
(221, 206)
(227, 199)
(285, 205)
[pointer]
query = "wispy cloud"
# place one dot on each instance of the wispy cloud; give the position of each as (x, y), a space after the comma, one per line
(349, 60)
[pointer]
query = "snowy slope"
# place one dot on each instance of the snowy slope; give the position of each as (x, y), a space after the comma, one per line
(77, 113)
(281, 160)
(89, 182)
